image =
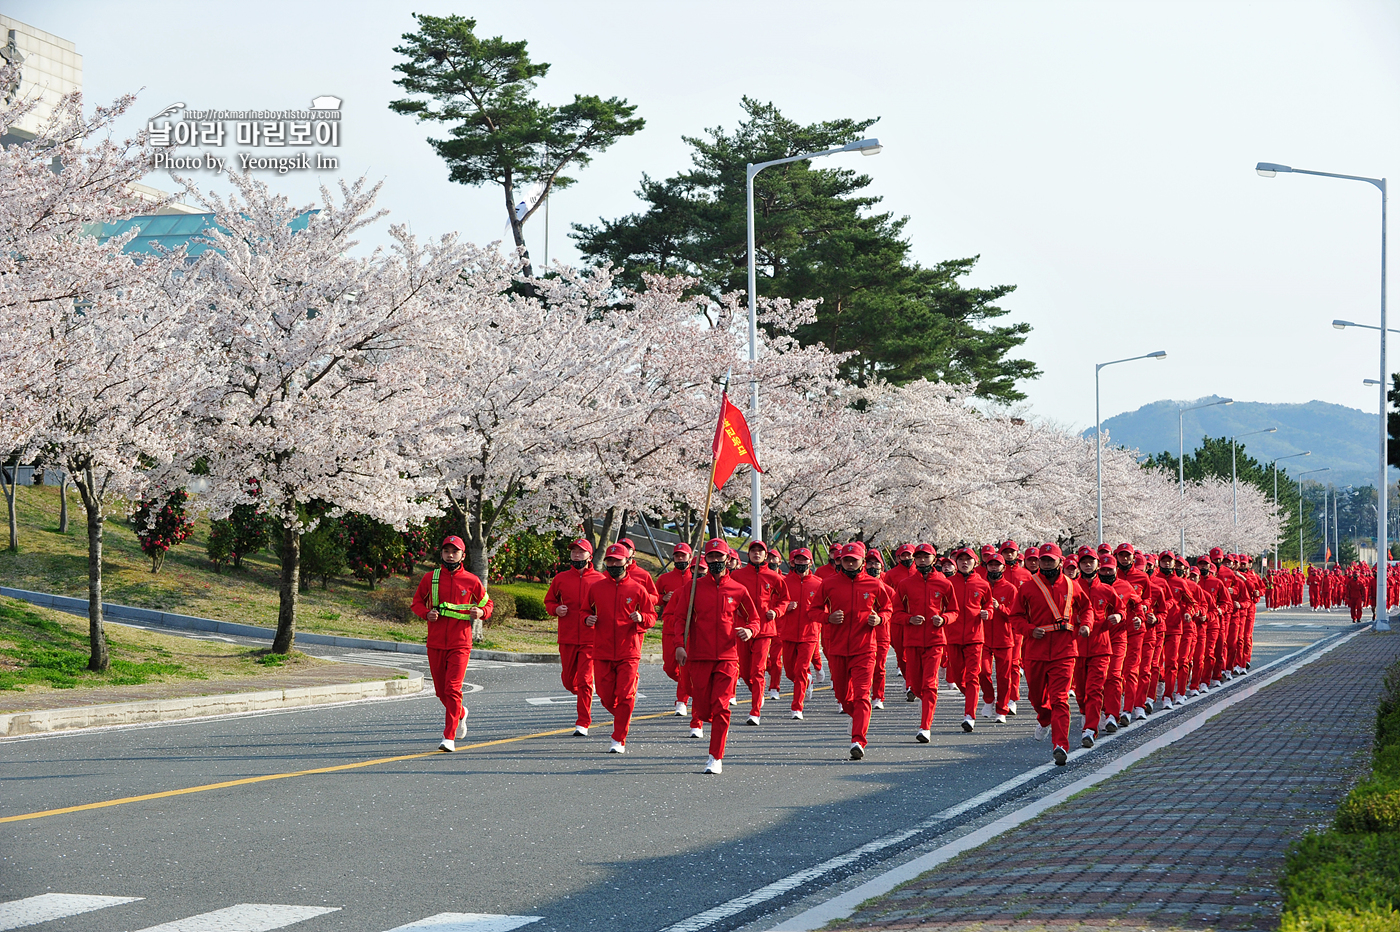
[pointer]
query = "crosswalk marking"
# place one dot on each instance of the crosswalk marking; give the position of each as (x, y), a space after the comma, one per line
(468, 922)
(245, 917)
(47, 907)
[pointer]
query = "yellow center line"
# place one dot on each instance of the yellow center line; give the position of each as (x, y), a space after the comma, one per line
(302, 773)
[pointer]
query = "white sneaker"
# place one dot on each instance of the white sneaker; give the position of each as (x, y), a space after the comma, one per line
(1139, 713)
(733, 701)
(1011, 707)
(922, 736)
(1087, 739)
(580, 731)
(697, 732)
(714, 766)
(1214, 684)
(1110, 724)
(1166, 703)
(1001, 719)
(857, 750)
(1041, 731)
(987, 710)
(1124, 720)
(797, 714)
(753, 720)
(774, 694)
(878, 704)
(617, 747)
(968, 722)
(680, 708)
(1192, 693)
(1147, 706)
(1071, 694)
(447, 745)
(462, 726)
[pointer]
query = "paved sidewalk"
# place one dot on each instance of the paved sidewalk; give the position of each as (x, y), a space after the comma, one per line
(1193, 837)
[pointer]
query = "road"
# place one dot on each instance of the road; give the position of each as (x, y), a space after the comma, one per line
(540, 824)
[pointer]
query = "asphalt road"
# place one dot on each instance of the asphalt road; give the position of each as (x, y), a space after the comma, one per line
(547, 826)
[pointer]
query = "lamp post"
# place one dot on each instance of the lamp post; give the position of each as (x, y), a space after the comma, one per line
(1181, 457)
(1098, 427)
(1277, 561)
(1269, 170)
(1300, 510)
(864, 147)
(1234, 481)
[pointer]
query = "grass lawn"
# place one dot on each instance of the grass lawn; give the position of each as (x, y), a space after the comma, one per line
(44, 655)
(48, 561)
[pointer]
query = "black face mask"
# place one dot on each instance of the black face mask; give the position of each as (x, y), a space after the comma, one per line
(801, 568)
(994, 575)
(578, 564)
(682, 566)
(852, 574)
(617, 572)
(946, 570)
(925, 570)
(716, 567)
(1149, 569)
(1051, 575)
(1106, 577)
(451, 567)
(906, 561)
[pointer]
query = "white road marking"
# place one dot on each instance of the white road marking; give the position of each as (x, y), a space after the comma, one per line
(245, 917)
(47, 907)
(469, 922)
(566, 700)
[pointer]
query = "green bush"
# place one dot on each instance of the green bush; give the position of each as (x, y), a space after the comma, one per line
(1374, 806)
(529, 607)
(1342, 920)
(1333, 873)
(502, 608)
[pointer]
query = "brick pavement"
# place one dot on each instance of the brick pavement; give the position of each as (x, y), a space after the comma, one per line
(1191, 838)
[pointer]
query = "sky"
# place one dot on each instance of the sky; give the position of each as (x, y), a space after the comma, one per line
(1097, 155)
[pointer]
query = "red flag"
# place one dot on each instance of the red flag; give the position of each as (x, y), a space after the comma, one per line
(1329, 555)
(732, 444)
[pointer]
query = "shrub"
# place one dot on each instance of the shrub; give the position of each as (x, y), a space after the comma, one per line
(161, 525)
(246, 530)
(529, 607)
(1374, 806)
(373, 549)
(526, 554)
(323, 553)
(221, 544)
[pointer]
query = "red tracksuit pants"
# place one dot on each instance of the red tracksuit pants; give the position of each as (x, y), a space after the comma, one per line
(897, 642)
(577, 676)
(964, 668)
(883, 639)
(673, 669)
(921, 675)
(617, 690)
(797, 661)
(1090, 677)
(753, 666)
(712, 684)
(775, 665)
(1186, 656)
(1113, 687)
(1149, 667)
(1171, 658)
(1048, 684)
(448, 666)
(1132, 670)
(995, 678)
(850, 680)
(1249, 636)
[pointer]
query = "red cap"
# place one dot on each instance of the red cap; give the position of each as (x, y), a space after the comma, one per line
(1085, 551)
(854, 549)
(1202, 561)
(925, 548)
(681, 548)
(873, 556)
(1124, 547)
(715, 545)
(1050, 550)
(1105, 548)
(800, 552)
(995, 557)
(582, 544)
(733, 553)
(1139, 560)
(618, 550)
(1008, 545)
(756, 543)
(454, 541)
(1032, 552)
(1166, 555)
(1149, 557)
(965, 552)
(903, 548)
(1107, 562)
(1216, 554)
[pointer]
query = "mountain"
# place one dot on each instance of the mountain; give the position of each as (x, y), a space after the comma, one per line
(1344, 439)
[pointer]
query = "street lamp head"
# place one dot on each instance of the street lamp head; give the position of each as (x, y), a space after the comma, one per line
(1370, 381)
(865, 146)
(1160, 354)
(1271, 430)
(1342, 324)
(1270, 169)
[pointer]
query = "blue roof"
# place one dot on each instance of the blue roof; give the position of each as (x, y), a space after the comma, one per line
(171, 231)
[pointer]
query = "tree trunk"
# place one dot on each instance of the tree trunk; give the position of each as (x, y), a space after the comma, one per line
(9, 487)
(288, 591)
(517, 231)
(98, 657)
(63, 504)
(603, 535)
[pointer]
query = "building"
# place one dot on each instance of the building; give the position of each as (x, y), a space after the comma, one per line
(49, 68)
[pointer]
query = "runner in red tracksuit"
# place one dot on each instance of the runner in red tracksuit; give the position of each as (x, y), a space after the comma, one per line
(1182, 605)
(1049, 610)
(724, 615)
(620, 612)
(769, 594)
(1017, 575)
(1116, 701)
(1096, 648)
(1194, 634)
(1159, 601)
(798, 629)
(874, 566)
(775, 651)
(1128, 572)
(966, 635)
(856, 605)
(567, 600)
(638, 572)
(666, 586)
(999, 647)
(924, 605)
(903, 568)
(1220, 604)
(458, 599)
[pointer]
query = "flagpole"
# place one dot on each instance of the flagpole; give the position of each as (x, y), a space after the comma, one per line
(709, 495)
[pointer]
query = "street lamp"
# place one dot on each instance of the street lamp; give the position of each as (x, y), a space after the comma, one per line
(1277, 561)
(1269, 170)
(864, 147)
(1098, 427)
(1344, 324)
(1300, 511)
(1181, 457)
(1234, 497)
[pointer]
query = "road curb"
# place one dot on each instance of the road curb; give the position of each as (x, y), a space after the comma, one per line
(41, 721)
(150, 616)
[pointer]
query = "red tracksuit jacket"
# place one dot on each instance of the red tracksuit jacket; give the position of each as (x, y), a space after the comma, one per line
(931, 596)
(769, 594)
(615, 635)
(721, 605)
(461, 587)
(974, 596)
(802, 624)
(857, 599)
(571, 588)
(1000, 633)
(1104, 600)
(1030, 610)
